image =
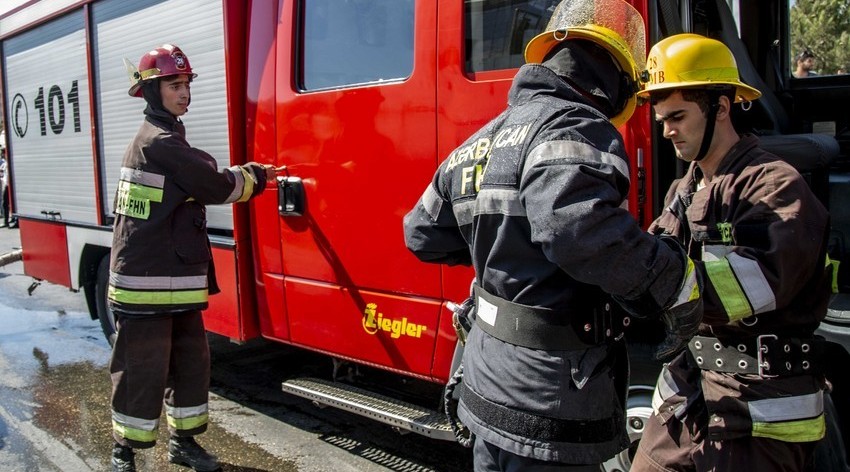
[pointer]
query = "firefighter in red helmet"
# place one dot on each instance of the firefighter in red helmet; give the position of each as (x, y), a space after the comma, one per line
(161, 270)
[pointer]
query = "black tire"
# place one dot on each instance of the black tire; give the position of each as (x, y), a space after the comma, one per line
(104, 313)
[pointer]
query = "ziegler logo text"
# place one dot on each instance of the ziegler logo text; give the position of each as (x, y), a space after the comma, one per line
(374, 322)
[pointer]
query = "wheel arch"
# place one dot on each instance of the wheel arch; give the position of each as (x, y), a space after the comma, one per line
(89, 261)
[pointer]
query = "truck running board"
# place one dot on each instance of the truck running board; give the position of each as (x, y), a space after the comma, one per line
(399, 414)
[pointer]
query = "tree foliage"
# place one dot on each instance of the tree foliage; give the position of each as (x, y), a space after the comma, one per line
(822, 27)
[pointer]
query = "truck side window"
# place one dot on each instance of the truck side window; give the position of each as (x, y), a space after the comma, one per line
(354, 42)
(496, 31)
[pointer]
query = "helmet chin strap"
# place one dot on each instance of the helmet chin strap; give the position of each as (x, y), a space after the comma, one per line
(711, 118)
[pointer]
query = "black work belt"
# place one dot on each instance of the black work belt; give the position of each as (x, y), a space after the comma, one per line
(543, 328)
(541, 428)
(766, 355)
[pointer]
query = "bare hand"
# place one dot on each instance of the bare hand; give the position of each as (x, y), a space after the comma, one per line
(272, 171)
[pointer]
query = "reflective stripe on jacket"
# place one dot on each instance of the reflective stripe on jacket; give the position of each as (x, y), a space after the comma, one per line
(783, 408)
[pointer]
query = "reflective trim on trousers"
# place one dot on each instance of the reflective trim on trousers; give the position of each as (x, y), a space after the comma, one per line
(136, 429)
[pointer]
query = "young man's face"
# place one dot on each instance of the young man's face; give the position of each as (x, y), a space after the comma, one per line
(175, 94)
(808, 64)
(684, 124)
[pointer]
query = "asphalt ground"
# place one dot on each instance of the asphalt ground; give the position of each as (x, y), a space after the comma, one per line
(55, 414)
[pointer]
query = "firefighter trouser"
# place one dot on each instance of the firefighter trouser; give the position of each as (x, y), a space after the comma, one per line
(489, 458)
(684, 446)
(158, 357)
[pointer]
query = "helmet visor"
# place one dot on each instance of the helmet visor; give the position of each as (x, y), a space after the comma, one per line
(615, 15)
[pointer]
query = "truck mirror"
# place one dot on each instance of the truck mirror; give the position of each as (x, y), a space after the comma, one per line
(290, 196)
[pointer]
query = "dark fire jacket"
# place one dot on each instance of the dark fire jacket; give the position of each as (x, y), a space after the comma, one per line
(161, 257)
(535, 201)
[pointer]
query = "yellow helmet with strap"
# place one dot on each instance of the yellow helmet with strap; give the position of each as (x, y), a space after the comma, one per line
(612, 24)
(691, 60)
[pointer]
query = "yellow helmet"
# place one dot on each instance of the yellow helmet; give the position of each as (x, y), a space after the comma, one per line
(613, 24)
(691, 60)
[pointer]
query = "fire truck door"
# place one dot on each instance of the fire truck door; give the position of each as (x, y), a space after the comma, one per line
(356, 123)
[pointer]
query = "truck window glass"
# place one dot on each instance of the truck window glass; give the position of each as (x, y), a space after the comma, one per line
(349, 42)
(819, 44)
(496, 31)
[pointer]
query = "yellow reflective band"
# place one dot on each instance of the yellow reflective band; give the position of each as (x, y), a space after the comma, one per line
(727, 74)
(147, 73)
(834, 266)
(813, 429)
(182, 297)
(134, 200)
(186, 424)
(691, 279)
(248, 188)
(726, 285)
(133, 433)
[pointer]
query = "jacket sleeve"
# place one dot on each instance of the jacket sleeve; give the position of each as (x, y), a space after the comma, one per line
(431, 230)
(574, 197)
(778, 231)
(196, 173)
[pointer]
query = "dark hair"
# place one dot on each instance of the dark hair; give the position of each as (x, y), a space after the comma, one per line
(804, 54)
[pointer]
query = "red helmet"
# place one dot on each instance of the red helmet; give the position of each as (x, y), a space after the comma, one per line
(164, 61)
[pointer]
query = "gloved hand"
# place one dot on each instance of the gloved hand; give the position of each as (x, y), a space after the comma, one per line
(682, 319)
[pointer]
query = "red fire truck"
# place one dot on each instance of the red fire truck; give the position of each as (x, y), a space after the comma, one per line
(360, 100)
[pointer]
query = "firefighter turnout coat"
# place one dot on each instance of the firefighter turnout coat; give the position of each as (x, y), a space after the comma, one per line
(161, 255)
(535, 201)
(761, 236)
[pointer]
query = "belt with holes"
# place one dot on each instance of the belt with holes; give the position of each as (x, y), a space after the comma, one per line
(767, 355)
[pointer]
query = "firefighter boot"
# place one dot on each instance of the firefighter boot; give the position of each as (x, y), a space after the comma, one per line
(185, 451)
(123, 459)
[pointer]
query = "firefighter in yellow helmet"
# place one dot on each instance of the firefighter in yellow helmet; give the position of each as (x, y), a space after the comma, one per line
(748, 393)
(534, 202)
(614, 26)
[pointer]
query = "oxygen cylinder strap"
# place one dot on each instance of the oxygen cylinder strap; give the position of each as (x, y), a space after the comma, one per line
(541, 428)
(543, 328)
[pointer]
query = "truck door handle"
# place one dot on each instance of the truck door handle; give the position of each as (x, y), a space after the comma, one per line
(290, 196)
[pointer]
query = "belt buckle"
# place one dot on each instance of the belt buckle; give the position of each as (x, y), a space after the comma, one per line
(761, 350)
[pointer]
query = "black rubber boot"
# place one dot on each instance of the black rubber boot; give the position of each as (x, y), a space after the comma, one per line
(185, 451)
(123, 459)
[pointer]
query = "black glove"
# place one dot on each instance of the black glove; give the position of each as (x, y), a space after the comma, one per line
(646, 306)
(682, 319)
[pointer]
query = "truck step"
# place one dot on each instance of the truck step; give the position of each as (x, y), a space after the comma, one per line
(393, 412)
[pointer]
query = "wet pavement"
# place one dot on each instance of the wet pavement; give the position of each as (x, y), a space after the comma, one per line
(55, 415)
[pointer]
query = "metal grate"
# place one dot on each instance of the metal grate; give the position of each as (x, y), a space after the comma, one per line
(381, 408)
